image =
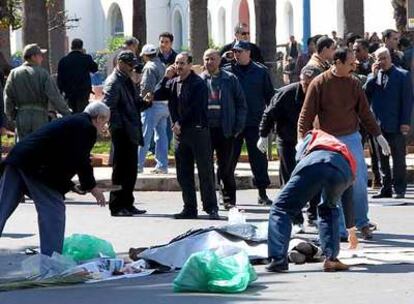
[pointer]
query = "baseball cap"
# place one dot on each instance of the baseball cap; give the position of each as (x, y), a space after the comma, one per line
(32, 49)
(241, 45)
(148, 49)
(128, 57)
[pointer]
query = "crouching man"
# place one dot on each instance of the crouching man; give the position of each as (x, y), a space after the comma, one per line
(326, 165)
(42, 166)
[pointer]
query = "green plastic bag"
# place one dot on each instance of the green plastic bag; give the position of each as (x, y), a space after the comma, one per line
(225, 270)
(83, 247)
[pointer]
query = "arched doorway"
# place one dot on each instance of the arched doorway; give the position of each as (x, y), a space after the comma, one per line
(222, 26)
(116, 21)
(178, 30)
(244, 15)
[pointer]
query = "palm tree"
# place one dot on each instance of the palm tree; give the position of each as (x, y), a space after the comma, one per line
(353, 16)
(139, 21)
(35, 25)
(57, 32)
(198, 29)
(400, 14)
(266, 28)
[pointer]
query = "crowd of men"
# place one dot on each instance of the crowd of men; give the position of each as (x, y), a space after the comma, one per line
(353, 91)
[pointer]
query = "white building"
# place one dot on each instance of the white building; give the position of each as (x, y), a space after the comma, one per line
(101, 19)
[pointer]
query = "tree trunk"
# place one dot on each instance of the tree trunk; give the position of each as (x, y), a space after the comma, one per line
(353, 17)
(198, 29)
(57, 33)
(35, 26)
(400, 14)
(5, 43)
(139, 21)
(266, 28)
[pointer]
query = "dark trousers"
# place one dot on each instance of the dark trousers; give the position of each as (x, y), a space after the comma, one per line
(223, 146)
(193, 145)
(124, 173)
(305, 184)
(374, 154)
(78, 103)
(257, 159)
(287, 153)
(399, 170)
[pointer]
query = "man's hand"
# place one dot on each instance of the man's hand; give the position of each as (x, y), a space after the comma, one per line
(375, 68)
(262, 144)
(149, 97)
(385, 147)
(170, 72)
(176, 128)
(405, 129)
(352, 238)
(98, 194)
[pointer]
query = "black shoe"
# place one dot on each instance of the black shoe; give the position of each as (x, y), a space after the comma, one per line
(277, 266)
(343, 239)
(264, 200)
(183, 215)
(366, 233)
(122, 212)
(213, 215)
(399, 196)
(228, 206)
(136, 211)
(382, 195)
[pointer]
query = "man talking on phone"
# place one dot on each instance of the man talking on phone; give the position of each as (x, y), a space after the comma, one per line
(390, 93)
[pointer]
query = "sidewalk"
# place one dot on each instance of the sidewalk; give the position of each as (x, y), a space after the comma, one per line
(168, 182)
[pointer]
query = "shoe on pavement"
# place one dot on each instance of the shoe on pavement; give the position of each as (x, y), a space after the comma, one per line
(213, 215)
(159, 171)
(376, 185)
(366, 233)
(184, 215)
(399, 196)
(372, 226)
(228, 205)
(121, 213)
(136, 211)
(264, 200)
(382, 195)
(334, 265)
(277, 266)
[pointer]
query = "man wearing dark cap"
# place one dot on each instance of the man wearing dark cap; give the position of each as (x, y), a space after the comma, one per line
(258, 89)
(283, 112)
(130, 44)
(73, 76)
(29, 92)
(121, 96)
(242, 33)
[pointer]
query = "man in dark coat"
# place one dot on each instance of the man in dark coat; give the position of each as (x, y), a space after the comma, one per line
(42, 166)
(121, 96)
(74, 76)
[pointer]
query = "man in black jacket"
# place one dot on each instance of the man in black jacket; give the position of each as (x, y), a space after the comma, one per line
(241, 33)
(283, 112)
(73, 76)
(187, 96)
(121, 96)
(42, 166)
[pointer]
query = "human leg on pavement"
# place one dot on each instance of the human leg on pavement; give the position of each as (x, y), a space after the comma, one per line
(148, 125)
(399, 167)
(160, 137)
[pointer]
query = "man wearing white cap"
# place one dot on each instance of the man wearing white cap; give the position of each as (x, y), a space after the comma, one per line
(30, 91)
(155, 117)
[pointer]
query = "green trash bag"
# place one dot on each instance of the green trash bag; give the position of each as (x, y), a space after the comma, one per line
(225, 270)
(83, 247)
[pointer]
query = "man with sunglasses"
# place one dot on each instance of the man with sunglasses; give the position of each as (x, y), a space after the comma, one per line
(241, 33)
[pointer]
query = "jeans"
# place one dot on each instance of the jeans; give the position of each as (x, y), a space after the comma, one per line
(302, 186)
(359, 189)
(155, 118)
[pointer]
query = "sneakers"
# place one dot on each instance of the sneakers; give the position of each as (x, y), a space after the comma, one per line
(135, 211)
(213, 215)
(264, 200)
(159, 171)
(277, 266)
(184, 215)
(366, 233)
(334, 265)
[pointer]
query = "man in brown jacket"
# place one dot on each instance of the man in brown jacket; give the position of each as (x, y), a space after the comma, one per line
(340, 103)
